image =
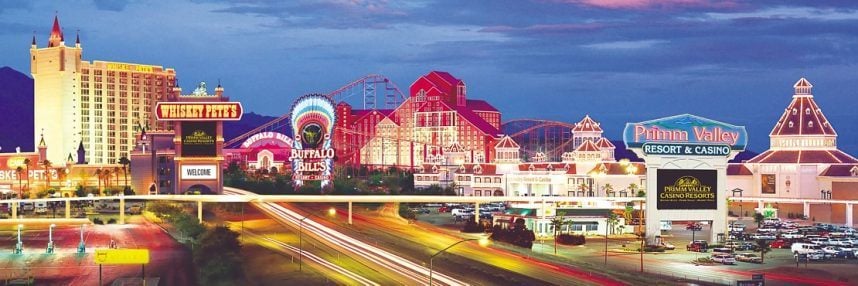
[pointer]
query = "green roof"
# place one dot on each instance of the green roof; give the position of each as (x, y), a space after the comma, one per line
(584, 212)
(520, 211)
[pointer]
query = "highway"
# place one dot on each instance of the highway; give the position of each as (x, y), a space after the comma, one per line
(310, 258)
(405, 271)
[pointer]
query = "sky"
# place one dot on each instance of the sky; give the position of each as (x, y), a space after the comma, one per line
(617, 60)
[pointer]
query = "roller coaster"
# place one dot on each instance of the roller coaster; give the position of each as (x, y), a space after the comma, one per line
(552, 138)
(372, 91)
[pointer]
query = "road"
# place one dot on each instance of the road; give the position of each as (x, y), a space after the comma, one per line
(399, 269)
(320, 264)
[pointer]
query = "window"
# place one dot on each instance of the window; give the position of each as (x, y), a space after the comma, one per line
(810, 124)
(794, 111)
(790, 124)
(807, 111)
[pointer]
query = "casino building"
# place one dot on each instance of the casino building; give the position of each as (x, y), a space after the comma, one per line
(95, 103)
(802, 162)
(262, 151)
(436, 115)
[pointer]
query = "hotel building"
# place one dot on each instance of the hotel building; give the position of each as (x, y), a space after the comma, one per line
(97, 103)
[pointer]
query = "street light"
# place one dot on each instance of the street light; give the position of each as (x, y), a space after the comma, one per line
(332, 211)
(51, 238)
(81, 248)
(482, 241)
(19, 247)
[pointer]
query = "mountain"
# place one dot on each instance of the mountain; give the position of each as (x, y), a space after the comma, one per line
(232, 129)
(16, 112)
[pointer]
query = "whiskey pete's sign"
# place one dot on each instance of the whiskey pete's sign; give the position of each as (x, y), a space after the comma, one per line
(685, 135)
(198, 111)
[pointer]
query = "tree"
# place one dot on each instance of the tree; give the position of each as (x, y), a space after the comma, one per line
(116, 171)
(47, 165)
(568, 224)
(218, 256)
(758, 218)
(608, 189)
(99, 177)
(125, 163)
(27, 165)
(19, 172)
(583, 188)
(612, 222)
(764, 248)
(557, 222)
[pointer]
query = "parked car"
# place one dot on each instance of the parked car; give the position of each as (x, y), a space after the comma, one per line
(667, 245)
(724, 258)
(697, 246)
(764, 236)
(780, 243)
(749, 257)
(792, 235)
(722, 250)
(804, 248)
(737, 227)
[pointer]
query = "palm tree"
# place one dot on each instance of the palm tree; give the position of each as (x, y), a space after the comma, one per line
(557, 222)
(583, 188)
(633, 188)
(27, 165)
(568, 224)
(106, 174)
(764, 248)
(759, 218)
(612, 221)
(608, 189)
(116, 171)
(98, 175)
(47, 165)
(125, 163)
(19, 172)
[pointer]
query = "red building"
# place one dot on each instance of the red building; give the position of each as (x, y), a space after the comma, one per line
(436, 115)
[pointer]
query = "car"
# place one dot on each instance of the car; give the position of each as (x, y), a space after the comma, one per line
(764, 236)
(739, 227)
(667, 245)
(767, 229)
(722, 250)
(792, 236)
(749, 257)
(780, 243)
(830, 251)
(804, 248)
(846, 253)
(697, 246)
(461, 211)
(724, 258)
(666, 226)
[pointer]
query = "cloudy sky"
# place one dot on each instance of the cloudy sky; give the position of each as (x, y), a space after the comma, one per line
(617, 60)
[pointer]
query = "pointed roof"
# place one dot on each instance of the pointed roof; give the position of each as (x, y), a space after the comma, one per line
(34, 39)
(507, 142)
(587, 125)
(56, 34)
(455, 147)
(803, 116)
(77, 41)
(42, 140)
(587, 146)
(604, 143)
(70, 158)
(80, 147)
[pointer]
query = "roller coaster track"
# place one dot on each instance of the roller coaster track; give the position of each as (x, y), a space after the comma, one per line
(369, 86)
(552, 138)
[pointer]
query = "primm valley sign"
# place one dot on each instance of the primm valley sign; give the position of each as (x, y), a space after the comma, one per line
(685, 135)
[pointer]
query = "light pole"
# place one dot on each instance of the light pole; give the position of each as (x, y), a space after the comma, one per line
(51, 238)
(81, 248)
(301, 243)
(19, 247)
(483, 242)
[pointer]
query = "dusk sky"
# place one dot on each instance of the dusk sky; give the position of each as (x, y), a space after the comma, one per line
(617, 60)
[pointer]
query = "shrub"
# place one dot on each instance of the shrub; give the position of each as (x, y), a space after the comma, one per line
(472, 227)
(571, 239)
(654, 248)
(406, 212)
(517, 235)
(111, 221)
(97, 221)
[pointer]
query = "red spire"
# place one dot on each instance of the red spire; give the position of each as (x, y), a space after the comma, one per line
(56, 34)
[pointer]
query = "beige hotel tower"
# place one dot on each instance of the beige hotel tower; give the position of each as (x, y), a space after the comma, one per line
(99, 104)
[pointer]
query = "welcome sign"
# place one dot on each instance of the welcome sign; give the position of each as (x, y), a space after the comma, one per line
(685, 135)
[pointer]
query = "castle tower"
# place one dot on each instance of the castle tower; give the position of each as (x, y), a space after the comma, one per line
(56, 77)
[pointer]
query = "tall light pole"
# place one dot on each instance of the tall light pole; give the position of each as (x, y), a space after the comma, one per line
(51, 238)
(483, 242)
(19, 247)
(81, 248)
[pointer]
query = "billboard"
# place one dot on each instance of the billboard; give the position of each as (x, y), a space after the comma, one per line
(198, 139)
(198, 111)
(686, 189)
(199, 172)
(768, 183)
(685, 135)
(312, 154)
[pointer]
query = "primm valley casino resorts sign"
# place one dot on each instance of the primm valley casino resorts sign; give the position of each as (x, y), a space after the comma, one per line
(687, 189)
(685, 135)
(312, 155)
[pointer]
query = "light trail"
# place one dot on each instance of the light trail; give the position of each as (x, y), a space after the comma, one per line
(318, 260)
(406, 268)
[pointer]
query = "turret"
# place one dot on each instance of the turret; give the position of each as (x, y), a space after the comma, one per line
(81, 154)
(56, 38)
(43, 148)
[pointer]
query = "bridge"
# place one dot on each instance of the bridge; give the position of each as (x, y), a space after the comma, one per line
(241, 196)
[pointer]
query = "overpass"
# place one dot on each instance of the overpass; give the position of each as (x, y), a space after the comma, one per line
(239, 196)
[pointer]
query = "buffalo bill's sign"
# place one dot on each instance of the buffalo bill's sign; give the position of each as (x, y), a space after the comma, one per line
(685, 135)
(312, 155)
(198, 111)
(687, 189)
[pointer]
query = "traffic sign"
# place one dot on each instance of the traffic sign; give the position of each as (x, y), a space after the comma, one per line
(121, 256)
